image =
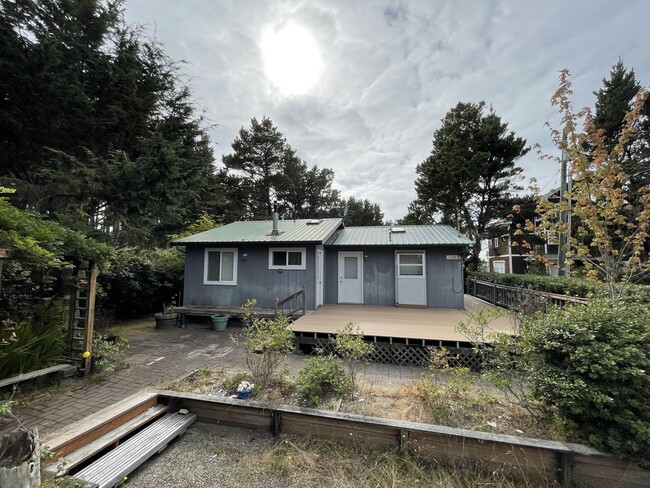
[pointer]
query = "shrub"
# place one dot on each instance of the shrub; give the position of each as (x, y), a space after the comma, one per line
(443, 384)
(350, 346)
(321, 376)
(139, 281)
(108, 352)
(40, 341)
(267, 342)
(590, 365)
(562, 285)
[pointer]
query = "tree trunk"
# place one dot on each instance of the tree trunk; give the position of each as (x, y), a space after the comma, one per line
(20, 462)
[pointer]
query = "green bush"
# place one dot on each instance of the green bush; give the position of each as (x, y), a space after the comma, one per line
(138, 281)
(267, 343)
(350, 346)
(322, 375)
(40, 341)
(108, 352)
(576, 287)
(590, 365)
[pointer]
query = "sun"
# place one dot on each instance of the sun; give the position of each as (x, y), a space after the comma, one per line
(292, 59)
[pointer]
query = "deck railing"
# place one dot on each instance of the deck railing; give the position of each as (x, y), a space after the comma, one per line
(297, 300)
(513, 298)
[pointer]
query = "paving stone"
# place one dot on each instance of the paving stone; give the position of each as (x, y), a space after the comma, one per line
(182, 350)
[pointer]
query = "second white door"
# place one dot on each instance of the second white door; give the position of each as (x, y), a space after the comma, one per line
(411, 279)
(350, 277)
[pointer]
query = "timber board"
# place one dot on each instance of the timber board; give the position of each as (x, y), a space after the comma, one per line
(437, 324)
(80, 433)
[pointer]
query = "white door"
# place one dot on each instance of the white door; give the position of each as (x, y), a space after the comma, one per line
(411, 279)
(350, 277)
(319, 278)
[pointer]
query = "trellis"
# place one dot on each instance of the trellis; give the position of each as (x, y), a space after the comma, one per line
(408, 354)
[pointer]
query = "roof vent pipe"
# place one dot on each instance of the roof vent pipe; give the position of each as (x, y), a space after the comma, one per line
(276, 218)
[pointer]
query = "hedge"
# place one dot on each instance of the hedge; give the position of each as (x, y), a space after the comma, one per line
(576, 287)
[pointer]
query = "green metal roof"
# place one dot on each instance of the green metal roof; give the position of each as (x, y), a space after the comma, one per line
(413, 235)
(301, 230)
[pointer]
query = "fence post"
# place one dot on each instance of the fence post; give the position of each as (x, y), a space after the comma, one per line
(564, 468)
(494, 293)
(304, 300)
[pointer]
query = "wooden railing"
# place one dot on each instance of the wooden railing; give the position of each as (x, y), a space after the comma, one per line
(514, 298)
(297, 300)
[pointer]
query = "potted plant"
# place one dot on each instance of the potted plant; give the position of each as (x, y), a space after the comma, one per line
(168, 317)
(245, 389)
(220, 321)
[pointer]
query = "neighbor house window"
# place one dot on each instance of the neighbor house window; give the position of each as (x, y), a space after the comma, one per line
(287, 258)
(220, 267)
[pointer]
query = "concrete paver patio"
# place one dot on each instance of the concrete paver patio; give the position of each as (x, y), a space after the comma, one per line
(155, 356)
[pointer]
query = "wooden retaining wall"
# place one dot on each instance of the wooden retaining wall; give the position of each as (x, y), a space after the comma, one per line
(553, 461)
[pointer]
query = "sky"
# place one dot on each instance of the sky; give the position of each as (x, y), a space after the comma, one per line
(361, 86)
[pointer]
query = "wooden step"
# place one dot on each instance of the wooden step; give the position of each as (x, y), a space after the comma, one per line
(113, 437)
(110, 470)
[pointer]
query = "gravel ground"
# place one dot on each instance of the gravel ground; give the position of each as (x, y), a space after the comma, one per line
(209, 455)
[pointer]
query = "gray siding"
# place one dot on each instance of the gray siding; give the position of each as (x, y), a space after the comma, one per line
(254, 279)
(444, 277)
(378, 275)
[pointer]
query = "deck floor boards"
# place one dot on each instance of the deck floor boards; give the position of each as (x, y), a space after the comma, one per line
(397, 322)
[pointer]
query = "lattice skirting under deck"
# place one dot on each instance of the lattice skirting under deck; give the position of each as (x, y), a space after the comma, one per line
(408, 354)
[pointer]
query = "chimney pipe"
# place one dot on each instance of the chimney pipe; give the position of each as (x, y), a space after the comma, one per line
(276, 218)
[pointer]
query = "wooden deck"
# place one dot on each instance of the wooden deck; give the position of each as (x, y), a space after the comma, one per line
(425, 326)
(208, 310)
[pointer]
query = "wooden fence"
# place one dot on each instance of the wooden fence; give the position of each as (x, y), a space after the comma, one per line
(552, 461)
(514, 298)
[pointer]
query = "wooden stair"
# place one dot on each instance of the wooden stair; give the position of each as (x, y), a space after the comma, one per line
(110, 469)
(111, 439)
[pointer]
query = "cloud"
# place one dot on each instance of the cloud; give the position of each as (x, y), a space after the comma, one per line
(392, 70)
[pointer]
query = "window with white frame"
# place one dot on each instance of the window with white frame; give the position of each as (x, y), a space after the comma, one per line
(220, 267)
(287, 258)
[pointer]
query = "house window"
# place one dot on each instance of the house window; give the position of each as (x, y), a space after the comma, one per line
(220, 267)
(499, 267)
(411, 264)
(287, 258)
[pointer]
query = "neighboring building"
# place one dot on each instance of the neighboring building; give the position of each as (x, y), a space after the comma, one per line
(408, 265)
(509, 254)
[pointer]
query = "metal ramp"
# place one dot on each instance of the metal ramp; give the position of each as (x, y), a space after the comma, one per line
(110, 470)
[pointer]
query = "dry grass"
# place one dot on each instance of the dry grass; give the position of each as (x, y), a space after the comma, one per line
(477, 409)
(475, 406)
(311, 462)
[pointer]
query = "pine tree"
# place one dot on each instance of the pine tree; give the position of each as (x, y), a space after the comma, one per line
(613, 102)
(471, 171)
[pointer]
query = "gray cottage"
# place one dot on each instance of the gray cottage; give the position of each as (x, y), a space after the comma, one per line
(411, 265)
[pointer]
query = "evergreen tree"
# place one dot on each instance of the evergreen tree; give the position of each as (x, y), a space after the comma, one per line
(265, 168)
(613, 102)
(471, 171)
(260, 155)
(362, 212)
(98, 127)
